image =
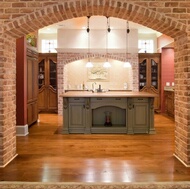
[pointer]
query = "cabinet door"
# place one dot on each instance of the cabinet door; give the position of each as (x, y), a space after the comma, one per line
(47, 82)
(32, 112)
(76, 118)
(35, 79)
(143, 74)
(42, 85)
(149, 75)
(52, 85)
(32, 81)
(41, 74)
(29, 79)
(53, 74)
(42, 98)
(169, 103)
(141, 116)
(29, 114)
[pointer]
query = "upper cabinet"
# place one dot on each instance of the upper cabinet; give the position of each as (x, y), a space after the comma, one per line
(47, 82)
(149, 75)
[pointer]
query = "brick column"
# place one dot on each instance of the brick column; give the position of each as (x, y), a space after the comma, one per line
(60, 81)
(182, 99)
(7, 99)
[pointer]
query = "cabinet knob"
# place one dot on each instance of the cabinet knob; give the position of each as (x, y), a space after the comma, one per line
(130, 106)
(140, 99)
(99, 98)
(76, 98)
(117, 98)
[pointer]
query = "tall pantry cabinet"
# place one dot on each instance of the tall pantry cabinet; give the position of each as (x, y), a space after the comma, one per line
(47, 82)
(26, 85)
(149, 75)
(32, 86)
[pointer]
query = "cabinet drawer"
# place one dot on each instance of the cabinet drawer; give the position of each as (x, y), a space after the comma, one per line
(115, 99)
(140, 99)
(76, 99)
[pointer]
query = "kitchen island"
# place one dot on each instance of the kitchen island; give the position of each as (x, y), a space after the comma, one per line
(108, 112)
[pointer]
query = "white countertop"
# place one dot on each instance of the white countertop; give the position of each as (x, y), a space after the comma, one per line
(106, 94)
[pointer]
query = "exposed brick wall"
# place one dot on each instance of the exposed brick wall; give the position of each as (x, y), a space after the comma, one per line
(182, 99)
(66, 58)
(148, 13)
(19, 17)
(7, 99)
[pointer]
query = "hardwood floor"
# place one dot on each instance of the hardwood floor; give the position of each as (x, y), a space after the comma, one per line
(45, 155)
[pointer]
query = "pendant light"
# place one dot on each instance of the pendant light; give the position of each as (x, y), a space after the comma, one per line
(89, 63)
(127, 63)
(107, 64)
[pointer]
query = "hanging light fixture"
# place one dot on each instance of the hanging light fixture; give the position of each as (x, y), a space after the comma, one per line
(127, 63)
(107, 64)
(89, 63)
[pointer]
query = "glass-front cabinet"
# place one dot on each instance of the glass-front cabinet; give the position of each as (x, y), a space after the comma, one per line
(142, 73)
(149, 75)
(41, 75)
(47, 82)
(154, 74)
(53, 74)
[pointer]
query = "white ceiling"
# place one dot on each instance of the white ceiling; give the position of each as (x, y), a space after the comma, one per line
(96, 22)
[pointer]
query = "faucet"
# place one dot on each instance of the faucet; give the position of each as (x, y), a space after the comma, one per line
(93, 87)
(99, 89)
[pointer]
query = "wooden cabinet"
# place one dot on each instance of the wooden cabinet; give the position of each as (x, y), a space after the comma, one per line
(77, 110)
(32, 86)
(169, 103)
(127, 115)
(140, 116)
(149, 75)
(76, 115)
(47, 82)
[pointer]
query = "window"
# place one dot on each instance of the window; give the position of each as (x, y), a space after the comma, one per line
(146, 46)
(49, 45)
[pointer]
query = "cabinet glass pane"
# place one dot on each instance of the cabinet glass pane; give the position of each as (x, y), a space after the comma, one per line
(53, 74)
(41, 74)
(142, 74)
(154, 74)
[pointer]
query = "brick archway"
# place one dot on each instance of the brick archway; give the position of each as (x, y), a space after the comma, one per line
(67, 10)
(146, 14)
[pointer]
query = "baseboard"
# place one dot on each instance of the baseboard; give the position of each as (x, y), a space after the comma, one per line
(181, 160)
(2, 166)
(22, 130)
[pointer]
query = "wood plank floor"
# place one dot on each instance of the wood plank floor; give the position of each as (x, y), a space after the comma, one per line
(45, 155)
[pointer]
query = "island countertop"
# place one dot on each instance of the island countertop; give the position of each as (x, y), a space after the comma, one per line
(106, 94)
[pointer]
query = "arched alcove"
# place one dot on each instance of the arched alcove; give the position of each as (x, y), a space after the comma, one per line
(76, 74)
